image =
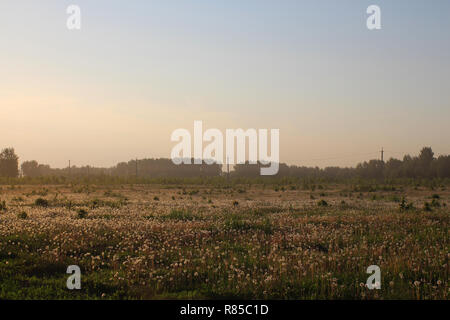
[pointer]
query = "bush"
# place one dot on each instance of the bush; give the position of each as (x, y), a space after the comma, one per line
(22, 215)
(41, 202)
(156, 198)
(404, 206)
(426, 206)
(82, 213)
(322, 203)
(3, 205)
(435, 203)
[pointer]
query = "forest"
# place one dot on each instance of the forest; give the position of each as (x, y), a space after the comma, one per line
(423, 166)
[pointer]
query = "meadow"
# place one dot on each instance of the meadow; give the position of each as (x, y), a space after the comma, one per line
(216, 241)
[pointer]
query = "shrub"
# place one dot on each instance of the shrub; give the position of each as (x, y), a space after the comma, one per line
(22, 215)
(235, 203)
(41, 202)
(156, 198)
(3, 205)
(404, 206)
(435, 203)
(322, 203)
(82, 213)
(426, 206)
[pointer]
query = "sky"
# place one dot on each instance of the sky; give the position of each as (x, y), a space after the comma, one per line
(138, 70)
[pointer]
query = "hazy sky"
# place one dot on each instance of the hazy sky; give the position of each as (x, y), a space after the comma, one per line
(137, 70)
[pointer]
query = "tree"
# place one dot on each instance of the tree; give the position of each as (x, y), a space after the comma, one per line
(443, 167)
(9, 163)
(30, 168)
(426, 155)
(425, 159)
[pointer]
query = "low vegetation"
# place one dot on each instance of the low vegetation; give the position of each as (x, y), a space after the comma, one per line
(182, 241)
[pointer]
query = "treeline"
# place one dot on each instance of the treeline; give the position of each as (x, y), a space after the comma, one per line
(165, 168)
(425, 165)
(154, 168)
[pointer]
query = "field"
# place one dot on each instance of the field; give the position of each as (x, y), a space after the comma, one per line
(252, 241)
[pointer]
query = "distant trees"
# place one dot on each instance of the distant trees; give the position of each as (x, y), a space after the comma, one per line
(442, 166)
(154, 168)
(30, 168)
(370, 170)
(425, 161)
(165, 168)
(33, 169)
(425, 165)
(9, 163)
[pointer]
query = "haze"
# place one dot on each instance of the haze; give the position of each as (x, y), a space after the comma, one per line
(137, 70)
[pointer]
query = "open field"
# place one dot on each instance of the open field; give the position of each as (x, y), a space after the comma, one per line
(244, 241)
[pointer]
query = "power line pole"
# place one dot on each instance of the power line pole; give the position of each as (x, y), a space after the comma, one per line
(136, 168)
(69, 167)
(382, 155)
(228, 169)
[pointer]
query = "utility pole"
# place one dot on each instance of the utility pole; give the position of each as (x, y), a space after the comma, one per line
(136, 168)
(382, 155)
(69, 167)
(228, 169)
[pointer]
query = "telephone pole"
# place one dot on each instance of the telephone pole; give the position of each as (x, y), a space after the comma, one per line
(228, 169)
(136, 168)
(382, 155)
(69, 167)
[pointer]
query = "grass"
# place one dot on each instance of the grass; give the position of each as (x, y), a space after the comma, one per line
(257, 244)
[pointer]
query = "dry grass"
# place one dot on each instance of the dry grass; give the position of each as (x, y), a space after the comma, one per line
(158, 242)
